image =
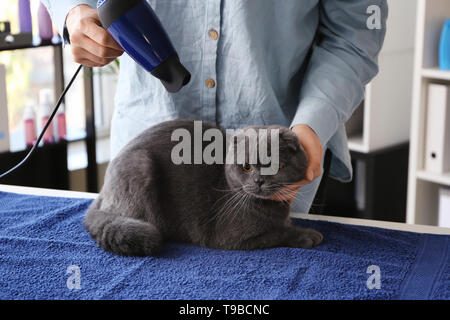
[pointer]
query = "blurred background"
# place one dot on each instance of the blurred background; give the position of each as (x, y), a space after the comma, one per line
(36, 65)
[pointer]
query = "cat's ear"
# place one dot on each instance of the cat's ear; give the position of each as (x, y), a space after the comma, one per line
(290, 140)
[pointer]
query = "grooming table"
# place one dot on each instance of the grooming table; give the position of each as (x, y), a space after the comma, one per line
(45, 253)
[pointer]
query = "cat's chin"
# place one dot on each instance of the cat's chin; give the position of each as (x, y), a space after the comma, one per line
(260, 194)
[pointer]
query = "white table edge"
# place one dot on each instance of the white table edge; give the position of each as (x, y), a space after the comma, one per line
(47, 192)
(351, 221)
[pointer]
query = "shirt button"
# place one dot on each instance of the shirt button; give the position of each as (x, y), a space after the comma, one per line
(210, 83)
(213, 34)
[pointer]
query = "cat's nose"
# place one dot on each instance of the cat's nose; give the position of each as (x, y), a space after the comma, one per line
(259, 181)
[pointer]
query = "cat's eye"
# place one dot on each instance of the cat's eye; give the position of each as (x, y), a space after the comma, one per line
(247, 167)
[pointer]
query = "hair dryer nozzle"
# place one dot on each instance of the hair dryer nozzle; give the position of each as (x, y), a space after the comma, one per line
(172, 74)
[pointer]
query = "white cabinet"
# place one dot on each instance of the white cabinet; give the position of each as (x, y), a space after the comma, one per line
(424, 186)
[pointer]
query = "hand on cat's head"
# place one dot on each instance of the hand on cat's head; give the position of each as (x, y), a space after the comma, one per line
(287, 166)
(314, 151)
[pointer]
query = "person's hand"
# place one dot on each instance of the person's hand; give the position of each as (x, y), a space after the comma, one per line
(92, 46)
(313, 148)
(314, 151)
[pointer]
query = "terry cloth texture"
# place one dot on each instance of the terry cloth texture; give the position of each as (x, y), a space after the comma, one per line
(43, 245)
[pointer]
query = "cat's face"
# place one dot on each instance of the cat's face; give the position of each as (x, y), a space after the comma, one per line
(254, 180)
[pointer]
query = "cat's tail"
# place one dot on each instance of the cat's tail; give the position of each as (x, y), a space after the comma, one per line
(122, 235)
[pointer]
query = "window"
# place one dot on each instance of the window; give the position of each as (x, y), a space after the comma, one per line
(105, 84)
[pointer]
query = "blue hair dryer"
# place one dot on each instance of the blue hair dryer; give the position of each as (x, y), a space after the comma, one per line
(136, 28)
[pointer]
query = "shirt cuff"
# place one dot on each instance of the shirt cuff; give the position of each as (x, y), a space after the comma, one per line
(320, 116)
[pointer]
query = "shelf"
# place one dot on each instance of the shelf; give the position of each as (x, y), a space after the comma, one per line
(40, 147)
(28, 43)
(435, 73)
(424, 186)
(443, 179)
(356, 143)
(17, 139)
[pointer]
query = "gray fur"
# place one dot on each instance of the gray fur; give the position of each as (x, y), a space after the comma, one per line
(147, 200)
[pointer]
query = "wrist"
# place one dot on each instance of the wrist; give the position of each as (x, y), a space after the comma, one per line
(302, 128)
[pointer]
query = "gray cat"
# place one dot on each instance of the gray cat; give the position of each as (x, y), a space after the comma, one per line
(147, 199)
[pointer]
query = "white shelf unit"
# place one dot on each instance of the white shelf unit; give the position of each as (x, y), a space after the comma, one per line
(423, 187)
(384, 118)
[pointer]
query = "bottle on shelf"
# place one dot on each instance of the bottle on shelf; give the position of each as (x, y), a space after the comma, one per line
(45, 110)
(45, 23)
(29, 120)
(25, 17)
(61, 123)
(444, 47)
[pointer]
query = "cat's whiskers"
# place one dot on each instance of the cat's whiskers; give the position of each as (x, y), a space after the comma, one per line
(227, 190)
(281, 199)
(282, 194)
(233, 207)
(229, 212)
(222, 212)
(297, 194)
(246, 201)
(240, 201)
(225, 195)
(302, 190)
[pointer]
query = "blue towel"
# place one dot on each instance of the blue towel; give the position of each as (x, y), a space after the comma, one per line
(43, 245)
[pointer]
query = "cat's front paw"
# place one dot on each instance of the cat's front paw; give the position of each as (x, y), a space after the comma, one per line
(308, 238)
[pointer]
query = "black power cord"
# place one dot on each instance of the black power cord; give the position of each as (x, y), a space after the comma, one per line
(58, 104)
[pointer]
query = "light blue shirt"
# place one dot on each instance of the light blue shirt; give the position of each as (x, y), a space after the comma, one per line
(282, 62)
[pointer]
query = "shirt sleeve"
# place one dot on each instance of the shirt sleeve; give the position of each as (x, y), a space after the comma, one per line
(344, 59)
(58, 10)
